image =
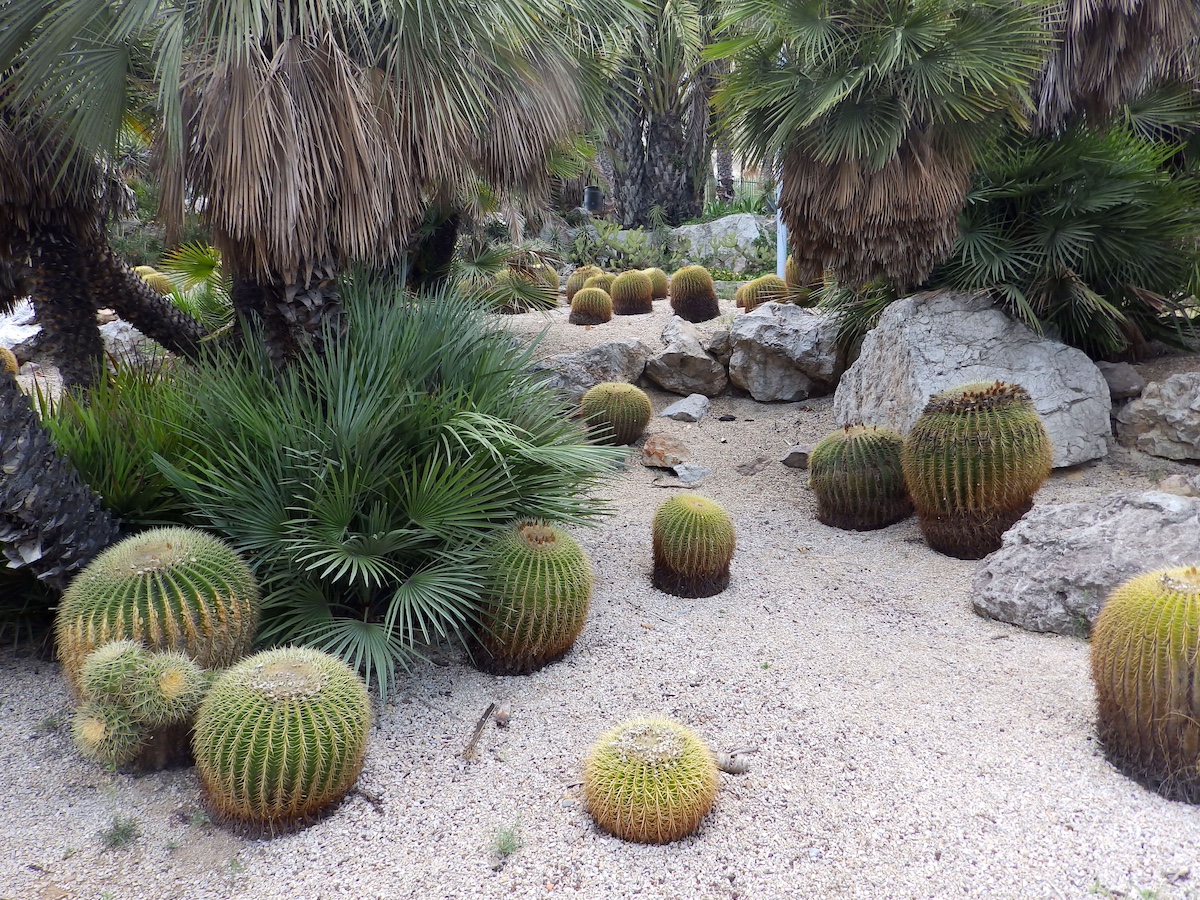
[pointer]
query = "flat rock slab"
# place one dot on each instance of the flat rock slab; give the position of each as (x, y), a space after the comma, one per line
(1057, 565)
(689, 409)
(929, 342)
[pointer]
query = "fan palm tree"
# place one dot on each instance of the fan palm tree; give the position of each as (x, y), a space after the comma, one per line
(1107, 52)
(876, 112)
(310, 134)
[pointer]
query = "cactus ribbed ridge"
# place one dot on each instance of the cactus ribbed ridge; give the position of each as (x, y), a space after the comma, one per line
(168, 689)
(281, 737)
(1145, 649)
(616, 412)
(660, 284)
(109, 672)
(693, 295)
(766, 289)
(107, 733)
(694, 540)
(632, 294)
(650, 780)
(536, 601)
(577, 279)
(972, 463)
(591, 306)
(603, 281)
(857, 478)
(166, 588)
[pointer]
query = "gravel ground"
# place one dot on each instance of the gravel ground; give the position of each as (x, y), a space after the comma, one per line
(906, 747)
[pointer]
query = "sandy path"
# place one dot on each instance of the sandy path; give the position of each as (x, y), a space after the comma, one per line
(907, 747)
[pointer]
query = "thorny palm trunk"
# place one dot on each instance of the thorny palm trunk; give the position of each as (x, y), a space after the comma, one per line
(626, 141)
(671, 168)
(293, 316)
(723, 151)
(50, 521)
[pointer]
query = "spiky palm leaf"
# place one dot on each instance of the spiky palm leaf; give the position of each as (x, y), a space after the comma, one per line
(1088, 234)
(876, 112)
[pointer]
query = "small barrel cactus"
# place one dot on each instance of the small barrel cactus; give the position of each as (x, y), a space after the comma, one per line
(281, 737)
(972, 463)
(107, 733)
(536, 600)
(167, 690)
(650, 780)
(8, 361)
(109, 672)
(155, 279)
(632, 294)
(694, 540)
(168, 589)
(603, 281)
(660, 284)
(1145, 649)
(792, 273)
(591, 306)
(549, 274)
(616, 412)
(768, 288)
(578, 278)
(693, 295)
(858, 479)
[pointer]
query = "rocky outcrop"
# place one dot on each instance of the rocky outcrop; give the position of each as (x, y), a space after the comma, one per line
(929, 342)
(1165, 420)
(1059, 563)
(683, 367)
(727, 242)
(782, 352)
(574, 373)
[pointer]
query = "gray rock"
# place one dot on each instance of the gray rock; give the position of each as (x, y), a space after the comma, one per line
(929, 342)
(661, 451)
(125, 343)
(1123, 379)
(690, 409)
(1165, 420)
(728, 241)
(717, 346)
(683, 367)
(1059, 563)
(1182, 485)
(18, 329)
(782, 352)
(574, 373)
(797, 456)
(691, 473)
(754, 466)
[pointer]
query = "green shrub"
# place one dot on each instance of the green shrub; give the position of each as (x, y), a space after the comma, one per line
(363, 483)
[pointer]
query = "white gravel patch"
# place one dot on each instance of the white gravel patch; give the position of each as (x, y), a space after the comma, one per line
(907, 747)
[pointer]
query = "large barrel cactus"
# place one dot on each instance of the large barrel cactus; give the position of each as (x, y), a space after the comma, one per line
(660, 284)
(168, 589)
(650, 780)
(590, 306)
(536, 601)
(1145, 651)
(616, 412)
(281, 738)
(693, 540)
(578, 278)
(693, 295)
(632, 294)
(857, 478)
(972, 463)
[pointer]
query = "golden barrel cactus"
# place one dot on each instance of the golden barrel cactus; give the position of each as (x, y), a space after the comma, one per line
(694, 540)
(616, 412)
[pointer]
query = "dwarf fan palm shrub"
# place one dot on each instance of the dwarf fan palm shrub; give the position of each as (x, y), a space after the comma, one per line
(364, 482)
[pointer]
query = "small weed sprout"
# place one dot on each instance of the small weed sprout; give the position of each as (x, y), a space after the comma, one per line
(199, 819)
(123, 831)
(508, 841)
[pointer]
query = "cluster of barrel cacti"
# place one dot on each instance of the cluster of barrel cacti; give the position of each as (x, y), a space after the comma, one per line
(629, 293)
(970, 466)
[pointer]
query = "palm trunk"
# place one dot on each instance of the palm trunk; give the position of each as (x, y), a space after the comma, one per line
(671, 169)
(627, 151)
(293, 317)
(724, 160)
(50, 521)
(14, 285)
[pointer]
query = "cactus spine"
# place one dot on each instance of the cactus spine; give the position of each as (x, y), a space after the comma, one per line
(107, 733)
(693, 295)
(281, 738)
(694, 540)
(168, 689)
(109, 672)
(632, 294)
(660, 284)
(616, 412)
(972, 463)
(858, 479)
(591, 306)
(1145, 648)
(536, 601)
(576, 279)
(167, 588)
(650, 780)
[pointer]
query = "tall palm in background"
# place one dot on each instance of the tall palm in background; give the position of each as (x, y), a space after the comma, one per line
(877, 112)
(659, 140)
(309, 135)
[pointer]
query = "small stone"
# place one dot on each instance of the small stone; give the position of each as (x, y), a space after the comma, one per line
(797, 456)
(1182, 485)
(690, 409)
(726, 418)
(1123, 380)
(661, 451)
(691, 473)
(815, 853)
(753, 467)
